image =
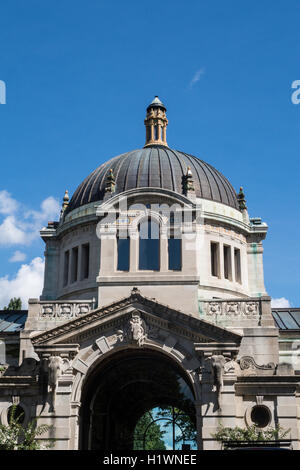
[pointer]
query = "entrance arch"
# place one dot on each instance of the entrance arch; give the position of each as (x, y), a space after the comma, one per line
(122, 388)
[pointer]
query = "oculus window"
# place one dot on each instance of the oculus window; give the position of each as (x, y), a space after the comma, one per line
(261, 416)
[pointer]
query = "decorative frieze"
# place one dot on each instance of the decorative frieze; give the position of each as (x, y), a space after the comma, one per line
(227, 311)
(64, 310)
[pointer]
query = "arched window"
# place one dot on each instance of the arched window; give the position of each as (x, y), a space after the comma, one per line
(149, 241)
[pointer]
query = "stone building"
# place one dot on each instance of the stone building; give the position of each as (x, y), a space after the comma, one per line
(153, 296)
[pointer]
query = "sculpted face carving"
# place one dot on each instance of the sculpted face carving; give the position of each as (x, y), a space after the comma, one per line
(233, 307)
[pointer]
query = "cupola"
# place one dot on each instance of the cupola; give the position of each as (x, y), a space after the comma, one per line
(156, 123)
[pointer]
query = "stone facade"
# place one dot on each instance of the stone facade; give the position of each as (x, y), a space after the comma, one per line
(209, 321)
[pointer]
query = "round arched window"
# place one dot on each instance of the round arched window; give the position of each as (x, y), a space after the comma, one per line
(18, 414)
(260, 416)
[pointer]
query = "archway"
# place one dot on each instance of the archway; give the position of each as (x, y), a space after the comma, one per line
(122, 389)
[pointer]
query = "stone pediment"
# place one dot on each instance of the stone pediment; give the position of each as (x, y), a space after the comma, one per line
(151, 317)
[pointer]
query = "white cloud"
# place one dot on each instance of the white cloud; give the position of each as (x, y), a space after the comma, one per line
(197, 77)
(49, 210)
(17, 257)
(24, 226)
(8, 205)
(281, 302)
(27, 283)
(20, 226)
(11, 233)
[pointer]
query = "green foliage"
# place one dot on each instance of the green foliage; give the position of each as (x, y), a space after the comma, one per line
(152, 433)
(182, 420)
(14, 436)
(251, 433)
(14, 304)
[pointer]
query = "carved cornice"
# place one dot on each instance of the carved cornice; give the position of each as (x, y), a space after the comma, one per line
(67, 351)
(267, 385)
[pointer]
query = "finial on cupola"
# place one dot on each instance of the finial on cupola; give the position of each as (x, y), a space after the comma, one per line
(156, 123)
(241, 200)
(65, 202)
(110, 185)
(188, 187)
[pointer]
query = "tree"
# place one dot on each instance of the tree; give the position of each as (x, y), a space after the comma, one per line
(152, 428)
(148, 433)
(14, 436)
(14, 304)
(175, 415)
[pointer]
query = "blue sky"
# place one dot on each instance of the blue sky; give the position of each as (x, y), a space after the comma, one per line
(78, 78)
